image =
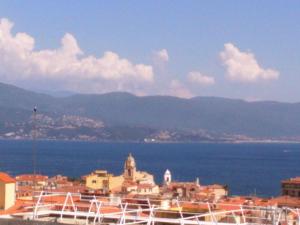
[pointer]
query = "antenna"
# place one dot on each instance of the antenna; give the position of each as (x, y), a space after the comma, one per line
(34, 136)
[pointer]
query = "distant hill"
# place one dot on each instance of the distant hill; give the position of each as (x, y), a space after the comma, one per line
(199, 117)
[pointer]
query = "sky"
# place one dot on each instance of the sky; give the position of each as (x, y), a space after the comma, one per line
(235, 49)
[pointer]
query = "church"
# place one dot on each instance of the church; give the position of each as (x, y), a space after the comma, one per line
(131, 182)
(137, 182)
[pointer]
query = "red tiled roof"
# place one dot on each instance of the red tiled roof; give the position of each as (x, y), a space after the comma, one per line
(292, 180)
(4, 177)
(74, 189)
(286, 201)
(31, 177)
(19, 206)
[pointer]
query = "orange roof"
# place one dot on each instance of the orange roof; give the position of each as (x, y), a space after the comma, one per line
(74, 189)
(31, 177)
(286, 201)
(19, 206)
(4, 177)
(198, 206)
(292, 180)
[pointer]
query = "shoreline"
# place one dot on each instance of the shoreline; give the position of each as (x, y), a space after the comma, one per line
(158, 142)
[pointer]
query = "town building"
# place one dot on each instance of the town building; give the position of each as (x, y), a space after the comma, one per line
(137, 182)
(291, 187)
(7, 191)
(212, 192)
(131, 173)
(103, 181)
(58, 182)
(27, 184)
(191, 190)
(131, 181)
(36, 181)
(181, 190)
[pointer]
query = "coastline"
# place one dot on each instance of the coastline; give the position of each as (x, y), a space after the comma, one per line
(159, 142)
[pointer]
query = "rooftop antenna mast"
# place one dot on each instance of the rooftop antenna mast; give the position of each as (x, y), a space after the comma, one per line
(34, 150)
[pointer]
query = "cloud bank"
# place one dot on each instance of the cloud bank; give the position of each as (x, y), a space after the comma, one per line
(243, 66)
(69, 68)
(199, 78)
(67, 64)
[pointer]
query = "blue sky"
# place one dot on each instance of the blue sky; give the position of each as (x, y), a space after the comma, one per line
(169, 47)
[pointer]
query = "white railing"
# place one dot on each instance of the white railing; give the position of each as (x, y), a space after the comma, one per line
(146, 211)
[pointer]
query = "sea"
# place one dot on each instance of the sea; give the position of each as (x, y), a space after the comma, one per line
(247, 169)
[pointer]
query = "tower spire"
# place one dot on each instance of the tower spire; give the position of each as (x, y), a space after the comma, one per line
(130, 168)
(167, 177)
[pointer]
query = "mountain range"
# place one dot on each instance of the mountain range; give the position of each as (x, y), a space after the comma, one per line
(122, 116)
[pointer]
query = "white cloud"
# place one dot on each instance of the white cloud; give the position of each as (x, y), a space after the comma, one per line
(243, 66)
(198, 78)
(162, 55)
(67, 64)
(178, 89)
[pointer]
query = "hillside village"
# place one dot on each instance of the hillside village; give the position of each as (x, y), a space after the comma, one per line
(108, 117)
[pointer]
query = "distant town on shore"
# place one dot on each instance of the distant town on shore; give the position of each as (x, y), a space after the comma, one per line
(123, 117)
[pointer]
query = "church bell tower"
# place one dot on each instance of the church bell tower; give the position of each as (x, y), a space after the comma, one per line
(167, 177)
(130, 168)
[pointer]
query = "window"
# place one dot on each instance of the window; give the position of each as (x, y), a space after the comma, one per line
(94, 181)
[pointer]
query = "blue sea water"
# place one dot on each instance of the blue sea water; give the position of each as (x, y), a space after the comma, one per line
(246, 168)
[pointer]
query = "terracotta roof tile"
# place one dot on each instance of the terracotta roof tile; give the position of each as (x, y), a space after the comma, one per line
(4, 177)
(31, 177)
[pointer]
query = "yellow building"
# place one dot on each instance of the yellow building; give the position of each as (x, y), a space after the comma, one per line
(7, 191)
(103, 181)
(131, 181)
